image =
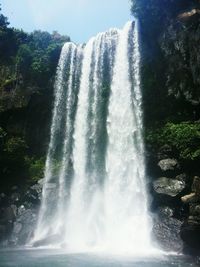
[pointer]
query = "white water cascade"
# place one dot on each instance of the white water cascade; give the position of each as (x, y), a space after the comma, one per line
(94, 193)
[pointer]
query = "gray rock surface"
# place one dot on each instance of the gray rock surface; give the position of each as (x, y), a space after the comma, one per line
(168, 164)
(168, 186)
(167, 232)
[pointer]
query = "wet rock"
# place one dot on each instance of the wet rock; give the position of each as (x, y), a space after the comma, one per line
(193, 220)
(181, 177)
(21, 210)
(166, 230)
(9, 214)
(17, 222)
(168, 165)
(34, 194)
(15, 188)
(37, 188)
(26, 216)
(41, 182)
(14, 208)
(190, 231)
(190, 234)
(15, 197)
(168, 186)
(165, 211)
(12, 242)
(165, 152)
(3, 200)
(24, 226)
(3, 232)
(2, 196)
(195, 209)
(17, 228)
(196, 185)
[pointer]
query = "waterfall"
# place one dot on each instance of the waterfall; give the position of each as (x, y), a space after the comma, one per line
(94, 193)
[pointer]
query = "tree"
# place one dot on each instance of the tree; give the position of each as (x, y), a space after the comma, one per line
(3, 21)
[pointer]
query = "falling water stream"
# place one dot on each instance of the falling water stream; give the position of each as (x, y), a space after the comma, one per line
(94, 193)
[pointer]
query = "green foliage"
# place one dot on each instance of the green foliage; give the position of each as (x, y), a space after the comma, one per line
(3, 21)
(184, 137)
(15, 148)
(45, 50)
(24, 59)
(35, 55)
(35, 168)
(2, 133)
(28, 64)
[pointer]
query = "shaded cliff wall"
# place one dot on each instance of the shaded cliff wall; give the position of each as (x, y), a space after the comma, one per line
(170, 36)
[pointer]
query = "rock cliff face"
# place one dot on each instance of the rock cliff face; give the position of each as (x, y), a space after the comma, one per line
(171, 60)
(170, 36)
(179, 45)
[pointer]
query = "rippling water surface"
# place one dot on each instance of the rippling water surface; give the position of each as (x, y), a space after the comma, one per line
(57, 258)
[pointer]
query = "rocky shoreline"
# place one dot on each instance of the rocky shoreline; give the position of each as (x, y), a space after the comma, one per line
(175, 205)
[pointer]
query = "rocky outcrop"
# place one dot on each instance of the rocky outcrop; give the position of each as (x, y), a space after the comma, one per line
(166, 230)
(190, 231)
(170, 35)
(168, 186)
(176, 206)
(169, 211)
(19, 215)
(168, 164)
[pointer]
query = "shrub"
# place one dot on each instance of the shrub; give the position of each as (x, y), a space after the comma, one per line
(35, 168)
(184, 137)
(15, 148)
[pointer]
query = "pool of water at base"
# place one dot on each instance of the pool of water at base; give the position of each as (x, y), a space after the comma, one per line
(60, 258)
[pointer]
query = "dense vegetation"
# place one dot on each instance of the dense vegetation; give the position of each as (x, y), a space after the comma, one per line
(183, 137)
(27, 67)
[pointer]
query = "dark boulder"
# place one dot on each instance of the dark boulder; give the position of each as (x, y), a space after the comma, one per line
(190, 234)
(34, 194)
(15, 197)
(165, 152)
(4, 200)
(24, 226)
(196, 185)
(165, 211)
(190, 231)
(166, 231)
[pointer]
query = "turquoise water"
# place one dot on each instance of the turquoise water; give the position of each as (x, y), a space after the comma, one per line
(53, 258)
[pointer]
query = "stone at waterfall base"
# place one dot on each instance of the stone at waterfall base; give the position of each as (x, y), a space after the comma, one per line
(166, 230)
(190, 230)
